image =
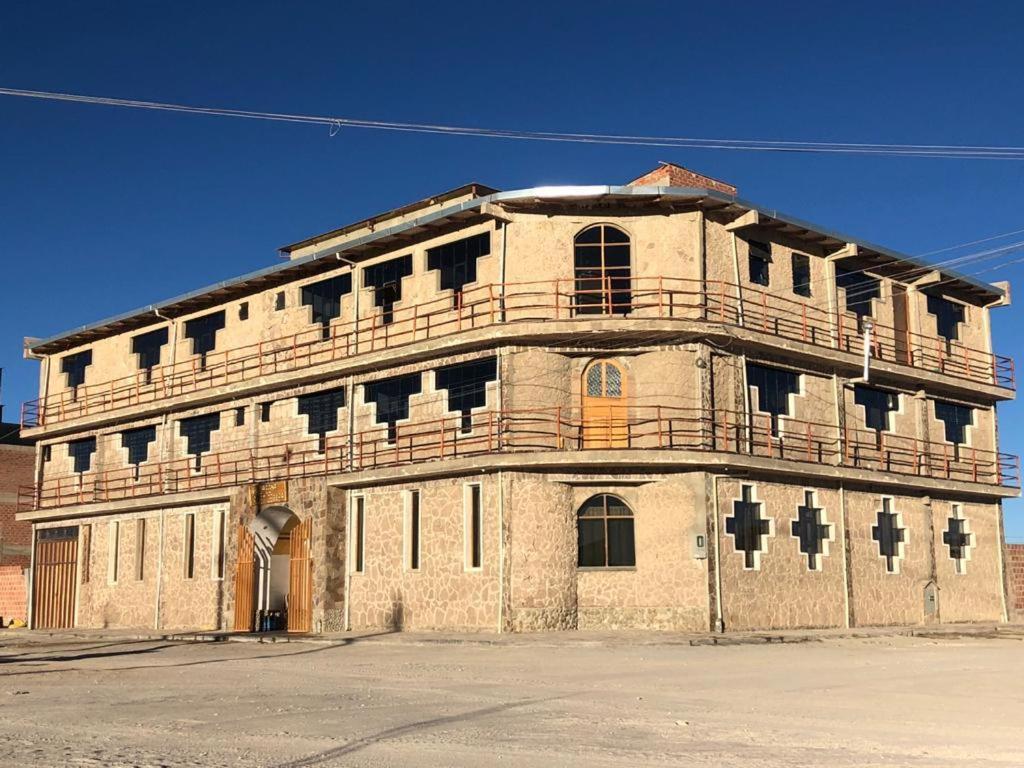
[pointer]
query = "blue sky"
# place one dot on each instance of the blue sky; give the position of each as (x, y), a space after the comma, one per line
(103, 210)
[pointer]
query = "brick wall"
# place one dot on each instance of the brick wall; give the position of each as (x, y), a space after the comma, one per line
(17, 465)
(1015, 575)
(669, 175)
(12, 593)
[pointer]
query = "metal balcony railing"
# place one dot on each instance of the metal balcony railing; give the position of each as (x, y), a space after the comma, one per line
(664, 298)
(648, 428)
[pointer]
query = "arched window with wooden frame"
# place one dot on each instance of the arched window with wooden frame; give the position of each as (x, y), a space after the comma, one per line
(602, 271)
(605, 405)
(605, 536)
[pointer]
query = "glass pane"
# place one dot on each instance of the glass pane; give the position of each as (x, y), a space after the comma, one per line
(592, 235)
(613, 381)
(616, 256)
(591, 543)
(588, 256)
(613, 235)
(621, 550)
(594, 381)
(592, 507)
(618, 508)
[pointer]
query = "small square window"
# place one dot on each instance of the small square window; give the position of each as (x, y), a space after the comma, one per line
(265, 412)
(243, 310)
(239, 417)
(279, 301)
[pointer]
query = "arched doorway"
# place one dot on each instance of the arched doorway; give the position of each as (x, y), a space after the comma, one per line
(605, 410)
(273, 583)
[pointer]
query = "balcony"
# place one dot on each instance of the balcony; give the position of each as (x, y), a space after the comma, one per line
(645, 432)
(661, 298)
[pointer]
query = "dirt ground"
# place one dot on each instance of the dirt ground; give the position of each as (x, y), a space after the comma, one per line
(395, 701)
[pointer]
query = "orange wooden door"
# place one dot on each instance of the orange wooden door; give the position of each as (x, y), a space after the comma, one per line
(245, 580)
(53, 590)
(300, 579)
(605, 410)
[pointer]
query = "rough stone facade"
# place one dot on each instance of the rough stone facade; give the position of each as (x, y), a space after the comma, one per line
(713, 470)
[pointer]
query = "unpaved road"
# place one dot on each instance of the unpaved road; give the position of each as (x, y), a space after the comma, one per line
(394, 702)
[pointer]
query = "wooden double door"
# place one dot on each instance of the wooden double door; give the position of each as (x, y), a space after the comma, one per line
(55, 578)
(300, 580)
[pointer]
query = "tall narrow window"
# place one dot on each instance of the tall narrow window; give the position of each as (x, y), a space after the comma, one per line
(137, 442)
(197, 432)
(73, 367)
(324, 300)
(457, 262)
(147, 348)
(81, 452)
(321, 412)
(603, 272)
(413, 554)
(265, 412)
(759, 260)
(466, 384)
(391, 398)
(774, 387)
(474, 527)
(859, 290)
(386, 280)
(801, 264)
(220, 534)
(604, 533)
(358, 533)
(190, 545)
(113, 550)
(140, 549)
(203, 333)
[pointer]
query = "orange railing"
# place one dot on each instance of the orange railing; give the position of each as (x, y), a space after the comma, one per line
(554, 429)
(648, 298)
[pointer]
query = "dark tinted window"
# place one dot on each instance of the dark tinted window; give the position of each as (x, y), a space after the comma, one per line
(605, 536)
(203, 333)
(324, 299)
(147, 346)
(956, 419)
(878, 404)
(73, 366)
(747, 526)
(137, 442)
(758, 262)
(859, 290)
(321, 410)
(457, 262)
(774, 386)
(948, 316)
(801, 274)
(391, 397)
(888, 534)
(81, 452)
(386, 280)
(197, 431)
(602, 271)
(467, 386)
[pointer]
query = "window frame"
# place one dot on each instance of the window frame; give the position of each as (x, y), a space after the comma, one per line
(473, 527)
(188, 546)
(760, 253)
(610, 277)
(412, 545)
(605, 517)
(113, 551)
(801, 289)
(219, 545)
(357, 536)
(140, 549)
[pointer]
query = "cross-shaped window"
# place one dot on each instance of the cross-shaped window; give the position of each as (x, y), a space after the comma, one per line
(774, 387)
(889, 535)
(137, 442)
(457, 262)
(958, 539)
(467, 386)
(748, 529)
(386, 280)
(391, 396)
(203, 333)
(147, 346)
(321, 410)
(813, 534)
(324, 299)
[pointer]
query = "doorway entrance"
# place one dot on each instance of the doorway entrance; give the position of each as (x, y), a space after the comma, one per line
(605, 410)
(54, 577)
(273, 582)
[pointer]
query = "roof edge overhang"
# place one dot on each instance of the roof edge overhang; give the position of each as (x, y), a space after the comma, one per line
(308, 265)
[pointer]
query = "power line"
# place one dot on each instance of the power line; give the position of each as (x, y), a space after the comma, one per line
(952, 151)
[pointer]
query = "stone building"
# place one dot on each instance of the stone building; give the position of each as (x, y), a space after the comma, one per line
(16, 475)
(637, 406)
